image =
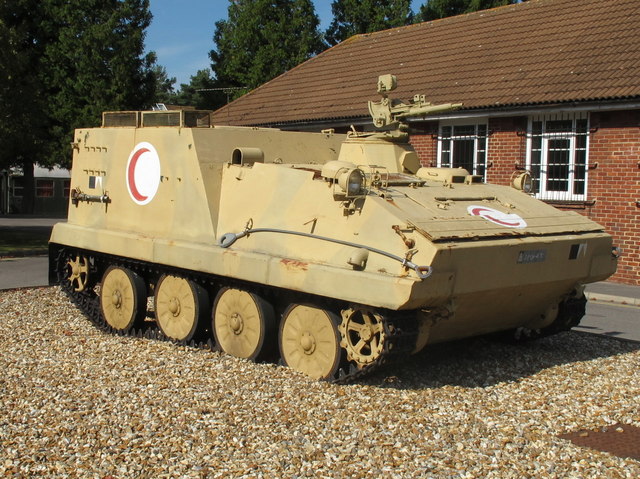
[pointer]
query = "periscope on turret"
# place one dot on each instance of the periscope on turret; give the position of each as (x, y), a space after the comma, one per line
(331, 253)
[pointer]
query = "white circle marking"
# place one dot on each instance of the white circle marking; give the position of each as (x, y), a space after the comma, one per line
(142, 175)
(508, 220)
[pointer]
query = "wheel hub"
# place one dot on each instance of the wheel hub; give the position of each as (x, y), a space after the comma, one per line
(174, 306)
(236, 323)
(308, 342)
(366, 334)
(116, 299)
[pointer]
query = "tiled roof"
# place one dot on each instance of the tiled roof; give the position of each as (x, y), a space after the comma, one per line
(532, 53)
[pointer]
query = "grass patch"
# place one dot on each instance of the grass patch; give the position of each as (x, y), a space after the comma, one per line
(20, 240)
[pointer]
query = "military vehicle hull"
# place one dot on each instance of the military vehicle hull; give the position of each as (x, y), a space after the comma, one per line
(340, 252)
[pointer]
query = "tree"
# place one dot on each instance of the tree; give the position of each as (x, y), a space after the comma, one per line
(164, 91)
(262, 39)
(62, 64)
(96, 63)
(203, 92)
(23, 125)
(435, 9)
(351, 17)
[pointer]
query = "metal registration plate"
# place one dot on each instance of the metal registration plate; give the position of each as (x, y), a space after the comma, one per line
(532, 256)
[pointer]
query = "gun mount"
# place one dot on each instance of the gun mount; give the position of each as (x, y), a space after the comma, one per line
(388, 114)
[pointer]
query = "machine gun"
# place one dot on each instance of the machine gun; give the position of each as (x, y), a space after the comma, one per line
(388, 114)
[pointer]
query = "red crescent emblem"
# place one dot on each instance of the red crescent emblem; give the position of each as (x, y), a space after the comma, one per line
(483, 212)
(131, 174)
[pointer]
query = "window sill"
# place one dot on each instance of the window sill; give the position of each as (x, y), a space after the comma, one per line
(572, 204)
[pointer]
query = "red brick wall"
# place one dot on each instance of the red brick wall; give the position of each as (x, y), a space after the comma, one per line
(507, 148)
(613, 186)
(425, 142)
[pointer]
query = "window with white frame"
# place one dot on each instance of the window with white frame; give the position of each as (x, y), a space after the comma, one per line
(463, 146)
(557, 153)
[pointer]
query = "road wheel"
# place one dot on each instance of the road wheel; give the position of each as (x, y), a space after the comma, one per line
(310, 341)
(123, 298)
(243, 323)
(181, 307)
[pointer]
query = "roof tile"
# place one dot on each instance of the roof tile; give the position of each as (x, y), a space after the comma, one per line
(531, 53)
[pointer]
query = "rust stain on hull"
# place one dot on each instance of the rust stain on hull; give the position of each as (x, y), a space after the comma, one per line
(295, 265)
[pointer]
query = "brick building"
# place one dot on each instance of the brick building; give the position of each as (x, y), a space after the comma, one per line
(550, 86)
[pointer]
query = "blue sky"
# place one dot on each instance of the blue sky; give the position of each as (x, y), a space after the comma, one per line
(181, 32)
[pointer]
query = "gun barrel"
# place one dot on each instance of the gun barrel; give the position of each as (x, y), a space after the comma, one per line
(427, 109)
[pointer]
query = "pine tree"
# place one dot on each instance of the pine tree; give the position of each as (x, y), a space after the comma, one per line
(435, 9)
(96, 64)
(351, 17)
(62, 64)
(164, 91)
(262, 39)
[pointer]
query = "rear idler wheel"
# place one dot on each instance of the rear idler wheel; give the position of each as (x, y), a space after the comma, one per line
(181, 307)
(123, 299)
(243, 324)
(310, 342)
(78, 273)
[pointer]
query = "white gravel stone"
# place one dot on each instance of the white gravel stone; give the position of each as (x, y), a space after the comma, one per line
(76, 402)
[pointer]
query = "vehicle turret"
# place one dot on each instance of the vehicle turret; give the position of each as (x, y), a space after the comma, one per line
(388, 114)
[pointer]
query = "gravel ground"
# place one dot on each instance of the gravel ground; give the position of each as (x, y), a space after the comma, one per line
(76, 402)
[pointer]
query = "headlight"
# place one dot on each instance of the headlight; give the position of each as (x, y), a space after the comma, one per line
(523, 182)
(352, 182)
(347, 180)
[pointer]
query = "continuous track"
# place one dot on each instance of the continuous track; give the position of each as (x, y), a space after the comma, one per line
(400, 328)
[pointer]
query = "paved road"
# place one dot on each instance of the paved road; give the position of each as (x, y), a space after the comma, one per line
(610, 319)
(28, 221)
(24, 272)
(617, 320)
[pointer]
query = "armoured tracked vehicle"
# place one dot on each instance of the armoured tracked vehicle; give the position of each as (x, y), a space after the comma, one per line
(335, 252)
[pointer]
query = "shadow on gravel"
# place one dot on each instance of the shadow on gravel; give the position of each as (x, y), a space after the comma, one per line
(482, 362)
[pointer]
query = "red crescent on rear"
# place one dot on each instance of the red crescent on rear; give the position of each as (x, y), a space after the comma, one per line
(131, 174)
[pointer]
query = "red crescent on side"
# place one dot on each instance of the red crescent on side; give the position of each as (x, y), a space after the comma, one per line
(131, 176)
(478, 212)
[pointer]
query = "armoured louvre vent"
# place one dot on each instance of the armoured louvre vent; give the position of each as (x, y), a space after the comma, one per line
(161, 118)
(121, 119)
(188, 119)
(197, 119)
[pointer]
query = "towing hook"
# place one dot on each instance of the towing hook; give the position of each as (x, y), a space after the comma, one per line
(227, 240)
(423, 272)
